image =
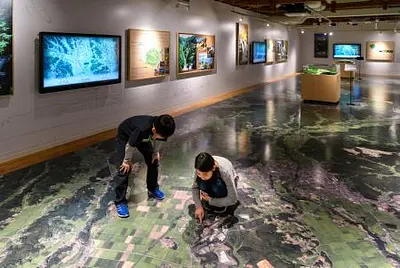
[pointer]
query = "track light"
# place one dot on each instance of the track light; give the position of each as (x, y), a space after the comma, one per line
(240, 19)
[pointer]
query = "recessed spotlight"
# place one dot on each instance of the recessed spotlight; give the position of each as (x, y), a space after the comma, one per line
(267, 24)
(240, 19)
(325, 33)
(330, 33)
(302, 31)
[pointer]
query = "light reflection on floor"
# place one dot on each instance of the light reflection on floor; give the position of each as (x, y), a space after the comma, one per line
(319, 188)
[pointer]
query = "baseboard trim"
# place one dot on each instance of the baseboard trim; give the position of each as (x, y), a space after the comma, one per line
(381, 75)
(78, 144)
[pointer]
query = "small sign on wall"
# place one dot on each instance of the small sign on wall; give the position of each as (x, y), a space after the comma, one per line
(321, 45)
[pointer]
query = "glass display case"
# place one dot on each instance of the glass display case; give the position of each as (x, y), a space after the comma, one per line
(320, 69)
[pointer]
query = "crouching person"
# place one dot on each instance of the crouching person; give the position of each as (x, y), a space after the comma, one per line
(215, 186)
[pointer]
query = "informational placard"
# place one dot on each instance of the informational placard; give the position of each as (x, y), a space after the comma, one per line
(270, 51)
(350, 67)
(196, 53)
(148, 54)
(380, 51)
(321, 45)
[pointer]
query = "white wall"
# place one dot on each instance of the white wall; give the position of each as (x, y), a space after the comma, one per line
(371, 68)
(30, 121)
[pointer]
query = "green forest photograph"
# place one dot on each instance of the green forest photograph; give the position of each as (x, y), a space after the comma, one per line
(6, 47)
(194, 54)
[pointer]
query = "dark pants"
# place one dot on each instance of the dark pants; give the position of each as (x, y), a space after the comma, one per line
(229, 210)
(146, 149)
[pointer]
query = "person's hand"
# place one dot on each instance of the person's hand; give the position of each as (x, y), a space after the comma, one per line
(199, 214)
(204, 196)
(126, 166)
(156, 156)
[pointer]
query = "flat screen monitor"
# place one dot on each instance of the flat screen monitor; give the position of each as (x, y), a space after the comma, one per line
(69, 61)
(346, 51)
(259, 52)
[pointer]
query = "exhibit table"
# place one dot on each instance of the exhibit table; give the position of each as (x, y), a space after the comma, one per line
(323, 87)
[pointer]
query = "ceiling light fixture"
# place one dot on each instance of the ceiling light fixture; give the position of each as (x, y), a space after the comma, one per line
(302, 31)
(240, 19)
(267, 24)
(331, 33)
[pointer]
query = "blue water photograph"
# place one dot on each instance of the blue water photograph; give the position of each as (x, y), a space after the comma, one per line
(69, 60)
(259, 52)
(346, 50)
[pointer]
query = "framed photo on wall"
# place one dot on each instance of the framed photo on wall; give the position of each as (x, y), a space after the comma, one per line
(6, 48)
(321, 45)
(281, 51)
(195, 53)
(270, 51)
(242, 44)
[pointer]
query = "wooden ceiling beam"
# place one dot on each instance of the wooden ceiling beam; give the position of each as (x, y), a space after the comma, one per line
(247, 3)
(311, 21)
(333, 6)
(363, 5)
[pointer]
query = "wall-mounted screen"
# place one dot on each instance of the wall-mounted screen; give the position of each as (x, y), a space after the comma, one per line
(258, 52)
(346, 51)
(69, 61)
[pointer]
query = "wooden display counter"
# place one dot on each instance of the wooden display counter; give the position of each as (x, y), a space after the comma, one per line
(324, 88)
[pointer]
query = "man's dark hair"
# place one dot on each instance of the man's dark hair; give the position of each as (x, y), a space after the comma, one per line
(204, 162)
(165, 125)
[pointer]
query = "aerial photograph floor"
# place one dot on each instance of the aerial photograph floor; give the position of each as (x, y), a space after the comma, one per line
(319, 186)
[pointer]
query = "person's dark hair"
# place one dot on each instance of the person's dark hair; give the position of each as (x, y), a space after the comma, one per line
(165, 125)
(204, 162)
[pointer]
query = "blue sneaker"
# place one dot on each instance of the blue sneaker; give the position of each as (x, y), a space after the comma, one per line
(122, 210)
(157, 194)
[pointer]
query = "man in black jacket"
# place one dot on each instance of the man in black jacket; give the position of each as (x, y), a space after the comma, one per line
(144, 133)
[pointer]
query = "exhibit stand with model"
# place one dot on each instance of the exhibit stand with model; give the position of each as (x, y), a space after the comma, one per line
(321, 83)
